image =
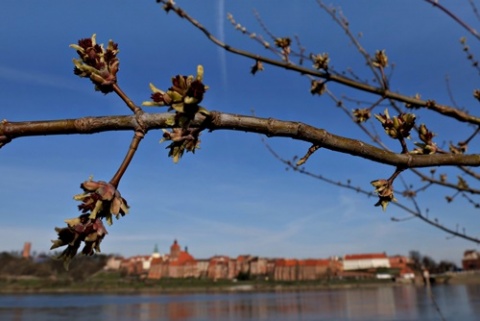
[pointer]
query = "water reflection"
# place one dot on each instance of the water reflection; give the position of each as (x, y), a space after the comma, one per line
(382, 303)
(376, 303)
(473, 292)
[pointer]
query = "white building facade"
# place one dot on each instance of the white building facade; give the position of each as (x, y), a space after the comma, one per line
(365, 261)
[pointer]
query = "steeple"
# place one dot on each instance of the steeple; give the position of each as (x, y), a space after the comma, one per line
(156, 253)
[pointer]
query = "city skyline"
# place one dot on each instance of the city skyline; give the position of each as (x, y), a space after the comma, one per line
(26, 251)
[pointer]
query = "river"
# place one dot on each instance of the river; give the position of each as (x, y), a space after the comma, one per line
(456, 302)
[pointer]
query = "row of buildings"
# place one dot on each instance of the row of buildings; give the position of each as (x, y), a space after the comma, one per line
(180, 263)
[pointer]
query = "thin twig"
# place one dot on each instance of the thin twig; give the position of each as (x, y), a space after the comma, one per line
(462, 23)
(417, 213)
(134, 108)
(411, 101)
(449, 91)
(474, 9)
(344, 25)
(137, 138)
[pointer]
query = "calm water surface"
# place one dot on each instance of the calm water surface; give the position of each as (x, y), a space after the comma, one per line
(457, 302)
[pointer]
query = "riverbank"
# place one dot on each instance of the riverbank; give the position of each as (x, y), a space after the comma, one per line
(114, 283)
(465, 277)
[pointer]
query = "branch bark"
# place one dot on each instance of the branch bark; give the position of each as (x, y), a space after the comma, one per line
(225, 121)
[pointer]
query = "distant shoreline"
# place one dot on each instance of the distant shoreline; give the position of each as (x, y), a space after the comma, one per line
(108, 284)
(188, 290)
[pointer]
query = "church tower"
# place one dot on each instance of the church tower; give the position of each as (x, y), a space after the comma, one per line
(174, 250)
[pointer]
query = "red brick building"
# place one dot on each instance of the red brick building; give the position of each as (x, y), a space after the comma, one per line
(402, 264)
(178, 264)
(471, 260)
(309, 269)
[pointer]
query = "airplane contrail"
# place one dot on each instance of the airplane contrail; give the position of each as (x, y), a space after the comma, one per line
(221, 35)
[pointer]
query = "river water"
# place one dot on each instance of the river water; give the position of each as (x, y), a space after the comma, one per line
(456, 302)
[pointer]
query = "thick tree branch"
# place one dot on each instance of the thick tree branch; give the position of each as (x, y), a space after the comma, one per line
(218, 121)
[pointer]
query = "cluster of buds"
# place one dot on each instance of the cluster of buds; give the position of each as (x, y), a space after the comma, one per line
(476, 94)
(318, 87)
(361, 115)
(168, 5)
(99, 200)
(384, 190)
(461, 148)
(258, 66)
(427, 146)
(320, 61)
(82, 228)
(184, 95)
(380, 60)
(183, 139)
(443, 178)
(284, 44)
(398, 127)
(97, 63)
(462, 183)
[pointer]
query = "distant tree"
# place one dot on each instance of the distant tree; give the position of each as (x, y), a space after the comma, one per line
(446, 266)
(416, 260)
(420, 262)
(395, 114)
(429, 263)
(17, 266)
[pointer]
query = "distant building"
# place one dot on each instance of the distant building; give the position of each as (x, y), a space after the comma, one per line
(178, 264)
(139, 264)
(134, 265)
(309, 269)
(27, 247)
(242, 265)
(402, 264)
(202, 268)
(471, 260)
(221, 267)
(113, 263)
(365, 261)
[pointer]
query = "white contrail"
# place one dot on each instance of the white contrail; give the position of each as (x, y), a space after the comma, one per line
(221, 35)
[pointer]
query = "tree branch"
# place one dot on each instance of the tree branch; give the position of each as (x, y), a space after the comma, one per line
(137, 138)
(409, 101)
(416, 213)
(224, 121)
(436, 3)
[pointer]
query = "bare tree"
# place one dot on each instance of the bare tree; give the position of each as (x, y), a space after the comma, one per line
(415, 168)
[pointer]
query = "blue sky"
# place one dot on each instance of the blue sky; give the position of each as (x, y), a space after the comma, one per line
(232, 197)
